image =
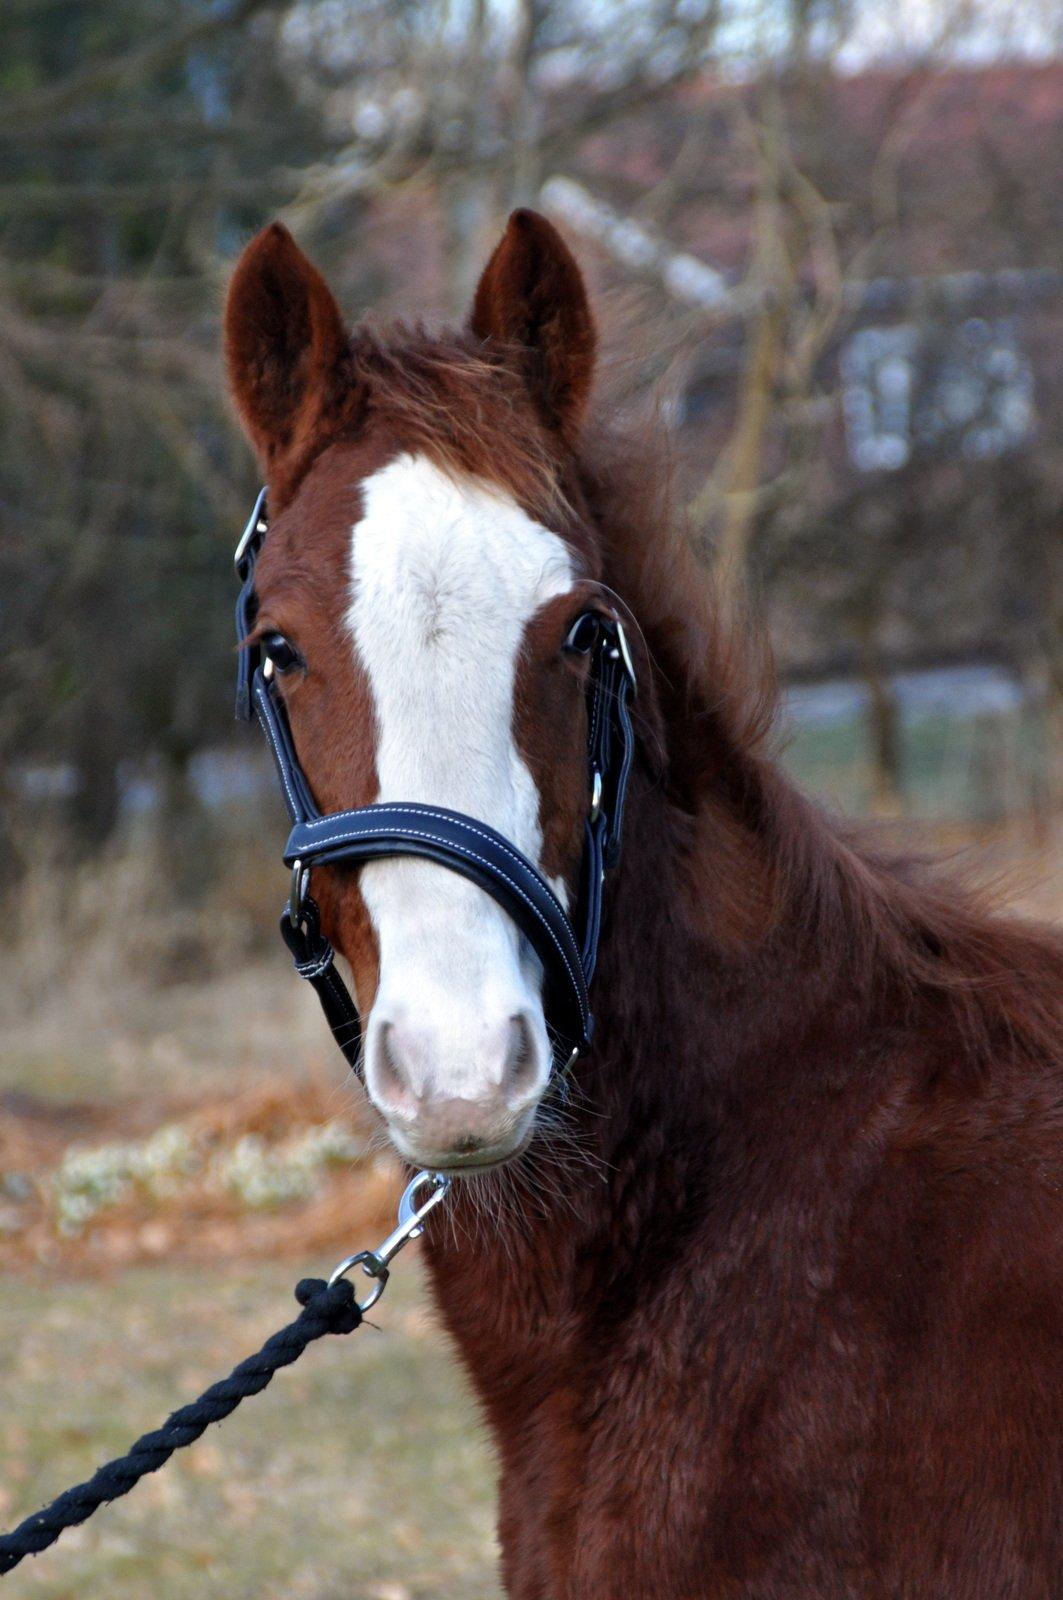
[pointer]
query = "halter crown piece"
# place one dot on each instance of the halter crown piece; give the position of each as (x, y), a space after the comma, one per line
(460, 843)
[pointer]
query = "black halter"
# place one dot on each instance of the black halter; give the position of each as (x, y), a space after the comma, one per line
(458, 842)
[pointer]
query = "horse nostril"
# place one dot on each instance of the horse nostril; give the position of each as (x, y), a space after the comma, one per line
(391, 1080)
(520, 1073)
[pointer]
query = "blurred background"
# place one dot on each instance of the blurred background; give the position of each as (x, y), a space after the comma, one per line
(826, 237)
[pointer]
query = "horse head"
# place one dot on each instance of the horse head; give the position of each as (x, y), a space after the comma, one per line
(429, 599)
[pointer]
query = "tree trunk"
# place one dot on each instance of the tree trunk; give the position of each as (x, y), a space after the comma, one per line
(883, 730)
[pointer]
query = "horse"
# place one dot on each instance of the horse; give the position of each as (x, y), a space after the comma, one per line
(762, 1297)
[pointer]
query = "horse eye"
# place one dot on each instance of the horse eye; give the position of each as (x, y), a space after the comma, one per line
(583, 635)
(281, 651)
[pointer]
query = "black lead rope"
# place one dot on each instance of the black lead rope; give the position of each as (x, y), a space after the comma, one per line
(567, 948)
(327, 1308)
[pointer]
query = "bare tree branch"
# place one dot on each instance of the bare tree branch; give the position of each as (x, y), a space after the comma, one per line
(51, 99)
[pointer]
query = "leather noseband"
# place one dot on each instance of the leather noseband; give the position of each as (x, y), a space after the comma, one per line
(460, 843)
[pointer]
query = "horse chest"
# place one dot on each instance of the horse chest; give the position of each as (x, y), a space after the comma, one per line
(659, 1455)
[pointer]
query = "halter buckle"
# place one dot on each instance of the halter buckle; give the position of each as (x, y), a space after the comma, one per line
(297, 892)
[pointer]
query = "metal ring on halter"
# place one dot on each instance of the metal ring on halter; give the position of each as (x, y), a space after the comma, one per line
(372, 1267)
(297, 893)
(257, 524)
(596, 796)
(623, 651)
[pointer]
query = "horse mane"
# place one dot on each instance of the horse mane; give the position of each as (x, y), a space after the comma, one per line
(901, 926)
(892, 923)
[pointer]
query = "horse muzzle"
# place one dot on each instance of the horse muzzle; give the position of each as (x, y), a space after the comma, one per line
(456, 1094)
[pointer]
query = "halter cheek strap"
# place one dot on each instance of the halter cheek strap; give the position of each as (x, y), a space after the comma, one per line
(460, 843)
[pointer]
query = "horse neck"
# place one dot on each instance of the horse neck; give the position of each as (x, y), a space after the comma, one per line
(703, 957)
(694, 1016)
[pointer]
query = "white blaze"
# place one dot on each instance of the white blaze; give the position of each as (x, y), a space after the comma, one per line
(446, 574)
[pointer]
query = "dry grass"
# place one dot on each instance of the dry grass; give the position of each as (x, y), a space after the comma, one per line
(360, 1474)
(268, 1172)
(142, 1031)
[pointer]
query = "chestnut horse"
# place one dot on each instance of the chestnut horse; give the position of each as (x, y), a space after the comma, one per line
(767, 1301)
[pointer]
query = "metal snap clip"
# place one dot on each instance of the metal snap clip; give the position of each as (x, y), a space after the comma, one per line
(376, 1263)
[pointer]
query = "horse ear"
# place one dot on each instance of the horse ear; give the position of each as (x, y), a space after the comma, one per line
(531, 296)
(285, 344)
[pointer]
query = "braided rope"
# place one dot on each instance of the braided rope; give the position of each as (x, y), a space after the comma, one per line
(326, 1310)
